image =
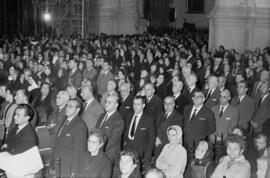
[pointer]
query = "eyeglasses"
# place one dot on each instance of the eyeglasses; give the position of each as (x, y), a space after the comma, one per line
(198, 96)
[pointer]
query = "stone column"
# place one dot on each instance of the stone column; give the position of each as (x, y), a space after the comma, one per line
(240, 24)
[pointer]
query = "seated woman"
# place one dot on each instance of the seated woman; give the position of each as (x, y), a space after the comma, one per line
(129, 166)
(234, 165)
(202, 166)
(173, 157)
(94, 163)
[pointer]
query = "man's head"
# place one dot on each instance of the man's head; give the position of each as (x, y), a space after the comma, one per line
(198, 98)
(226, 68)
(169, 104)
(3, 89)
(149, 90)
(264, 88)
(264, 76)
(177, 87)
(111, 103)
(87, 93)
(21, 96)
(221, 81)
(124, 90)
(95, 141)
(106, 66)
(212, 82)
(225, 97)
(242, 88)
(62, 98)
(23, 114)
(192, 80)
(73, 108)
(138, 104)
(72, 91)
(72, 64)
(111, 85)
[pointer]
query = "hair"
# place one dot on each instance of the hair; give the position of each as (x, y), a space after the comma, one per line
(236, 139)
(139, 97)
(245, 83)
(24, 92)
(28, 111)
(133, 154)
(99, 134)
(242, 130)
(78, 103)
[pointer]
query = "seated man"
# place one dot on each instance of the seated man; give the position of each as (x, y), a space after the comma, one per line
(22, 137)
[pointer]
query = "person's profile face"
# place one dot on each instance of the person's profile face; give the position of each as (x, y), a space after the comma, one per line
(20, 117)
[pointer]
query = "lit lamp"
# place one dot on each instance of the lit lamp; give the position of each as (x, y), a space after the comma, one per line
(47, 16)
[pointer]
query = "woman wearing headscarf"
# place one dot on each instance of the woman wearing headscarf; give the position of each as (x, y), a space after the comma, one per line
(202, 165)
(173, 158)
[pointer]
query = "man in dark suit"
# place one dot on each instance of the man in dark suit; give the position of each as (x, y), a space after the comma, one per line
(23, 136)
(244, 104)
(262, 110)
(216, 69)
(126, 106)
(154, 103)
(199, 121)
(264, 76)
(230, 81)
(168, 118)
(191, 87)
(92, 109)
(226, 117)
(140, 133)
(58, 116)
(70, 141)
(181, 100)
(112, 125)
(104, 76)
(75, 76)
(212, 93)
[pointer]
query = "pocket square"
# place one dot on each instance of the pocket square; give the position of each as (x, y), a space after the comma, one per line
(214, 99)
(127, 107)
(203, 119)
(68, 134)
(143, 128)
(228, 118)
(106, 127)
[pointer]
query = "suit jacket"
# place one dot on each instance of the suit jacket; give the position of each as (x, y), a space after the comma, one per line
(19, 142)
(75, 79)
(161, 91)
(189, 95)
(154, 107)
(102, 81)
(69, 145)
(144, 138)
(198, 128)
(213, 98)
(91, 114)
(254, 93)
(245, 110)
(216, 72)
(227, 121)
(126, 107)
(262, 112)
(162, 125)
(58, 117)
(230, 81)
(113, 128)
(180, 103)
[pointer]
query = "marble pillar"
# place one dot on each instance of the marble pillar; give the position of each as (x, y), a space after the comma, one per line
(120, 17)
(240, 24)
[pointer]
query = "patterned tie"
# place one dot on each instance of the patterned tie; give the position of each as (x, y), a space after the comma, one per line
(132, 132)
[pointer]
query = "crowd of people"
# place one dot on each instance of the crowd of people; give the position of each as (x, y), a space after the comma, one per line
(154, 105)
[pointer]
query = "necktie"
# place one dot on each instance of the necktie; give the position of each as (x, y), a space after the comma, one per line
(221, 111)
(132, 132)
(238, 102)
(260, 102)
(259, 86)
(104, 119)
(65, 124)
(209, 94)
(166, 115)
(84, 105)
(193, 114)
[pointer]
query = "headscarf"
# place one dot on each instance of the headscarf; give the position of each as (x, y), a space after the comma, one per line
(178, 130)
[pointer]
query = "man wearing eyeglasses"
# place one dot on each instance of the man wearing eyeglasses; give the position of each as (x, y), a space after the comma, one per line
(199, 121)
